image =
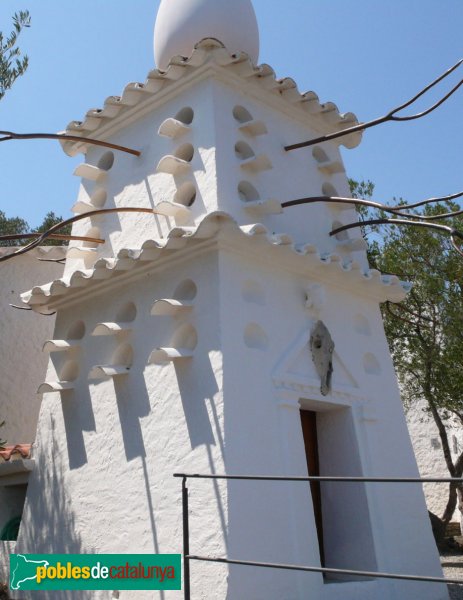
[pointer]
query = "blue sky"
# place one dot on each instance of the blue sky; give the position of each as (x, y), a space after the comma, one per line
(365, 55)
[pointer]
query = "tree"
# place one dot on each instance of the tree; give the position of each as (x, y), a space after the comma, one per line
(11, 226)
(49, 220)
(16, 225)
(12, 65)
(424, 331)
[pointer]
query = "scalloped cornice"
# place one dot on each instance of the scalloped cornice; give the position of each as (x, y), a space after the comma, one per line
(211, 53)
(183, 241)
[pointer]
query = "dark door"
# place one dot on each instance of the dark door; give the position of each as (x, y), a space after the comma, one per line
(309, 431)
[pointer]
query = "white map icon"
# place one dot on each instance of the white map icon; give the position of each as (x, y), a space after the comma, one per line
(25, 565)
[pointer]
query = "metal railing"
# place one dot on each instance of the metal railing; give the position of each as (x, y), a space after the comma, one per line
(187, 557)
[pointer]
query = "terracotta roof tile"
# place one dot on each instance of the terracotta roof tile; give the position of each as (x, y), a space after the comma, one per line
(7, 452)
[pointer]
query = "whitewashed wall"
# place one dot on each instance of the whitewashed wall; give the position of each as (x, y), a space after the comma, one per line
(428, 451)
(107, 450)
(216, 173)
(22, 363)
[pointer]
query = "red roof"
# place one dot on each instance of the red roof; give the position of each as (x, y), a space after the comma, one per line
(23, 449)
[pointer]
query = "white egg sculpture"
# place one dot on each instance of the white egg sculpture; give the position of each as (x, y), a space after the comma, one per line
(181, 24)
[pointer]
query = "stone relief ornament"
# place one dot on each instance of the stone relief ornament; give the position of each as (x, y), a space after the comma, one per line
(322, 347)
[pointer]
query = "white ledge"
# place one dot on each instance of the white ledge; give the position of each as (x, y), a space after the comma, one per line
(210, 54)
(163, 356)
(80, 208)
(255, 236)
(341, 206)
(281, 239)
(87, 171)
(81, 252)
(352, 245)
(173, 128)
(173, 165)
(257, 163)
(331, 167)
(59, 345)
(111, 328)
(132, 94)
(167, 306)
(254, 128)
(15, 472)
(50, 387)
(174, 209)
(103, 371)
(263, 207)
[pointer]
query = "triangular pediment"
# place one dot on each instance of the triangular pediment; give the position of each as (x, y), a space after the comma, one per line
(296, 371)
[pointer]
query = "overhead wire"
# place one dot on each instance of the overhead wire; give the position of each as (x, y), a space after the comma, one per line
(49, 232)
(6, 136)
(391, 115)
(410, 219)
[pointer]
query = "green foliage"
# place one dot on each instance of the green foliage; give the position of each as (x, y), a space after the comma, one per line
(16, 225)
(364, 190)
(361, 189)
(424, 331)
(48, 222)
(12, 64)
(12, 226)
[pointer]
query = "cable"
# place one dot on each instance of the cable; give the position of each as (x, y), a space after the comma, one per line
(46, 234)
(391, 115)
(10, 135)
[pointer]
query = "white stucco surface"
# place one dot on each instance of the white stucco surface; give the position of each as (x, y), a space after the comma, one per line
(22, 367)
(254, 284)
(22, 363)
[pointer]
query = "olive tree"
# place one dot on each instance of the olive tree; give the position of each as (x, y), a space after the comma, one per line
(425, 330)
(12, 63)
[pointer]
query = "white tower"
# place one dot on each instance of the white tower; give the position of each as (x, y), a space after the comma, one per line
(183, 344)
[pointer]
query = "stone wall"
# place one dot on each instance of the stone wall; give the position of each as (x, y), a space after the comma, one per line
(430, 458)
(6, 548)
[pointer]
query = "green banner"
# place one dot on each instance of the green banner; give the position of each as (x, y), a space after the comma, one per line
(95, 572)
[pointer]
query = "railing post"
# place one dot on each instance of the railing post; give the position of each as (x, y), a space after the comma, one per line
(186, 541)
